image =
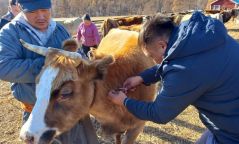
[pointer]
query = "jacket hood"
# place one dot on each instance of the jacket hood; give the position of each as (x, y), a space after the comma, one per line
(199, 34)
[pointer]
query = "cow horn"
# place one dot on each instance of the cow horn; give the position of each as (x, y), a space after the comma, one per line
(37, 49)
(69, 54)
(72, 55)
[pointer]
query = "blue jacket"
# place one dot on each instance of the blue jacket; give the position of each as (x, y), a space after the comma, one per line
(6, 19)
(19, 65)
(200, 69)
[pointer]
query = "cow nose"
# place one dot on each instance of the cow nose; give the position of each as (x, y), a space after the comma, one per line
(29, 138)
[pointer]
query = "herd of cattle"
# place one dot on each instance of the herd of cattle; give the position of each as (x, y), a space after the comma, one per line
(69, 87)
(134, 23)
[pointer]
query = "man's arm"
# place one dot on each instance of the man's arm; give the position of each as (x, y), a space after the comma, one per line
(13, 66)
(151, 76)
(180, 89)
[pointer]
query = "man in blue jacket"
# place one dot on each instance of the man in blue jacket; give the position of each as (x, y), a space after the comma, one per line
(13, 10)
(21, 66)
(198, 66)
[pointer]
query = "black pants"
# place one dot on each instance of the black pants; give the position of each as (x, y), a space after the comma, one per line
(86, 49)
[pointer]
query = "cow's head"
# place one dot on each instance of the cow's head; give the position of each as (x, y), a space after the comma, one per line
(64, 91)
(107, 25)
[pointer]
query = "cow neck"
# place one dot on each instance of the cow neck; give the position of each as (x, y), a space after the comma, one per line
(94, 95)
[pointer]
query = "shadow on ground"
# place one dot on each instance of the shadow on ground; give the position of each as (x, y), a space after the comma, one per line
(165, 136)
(233, 30)
(188, 125)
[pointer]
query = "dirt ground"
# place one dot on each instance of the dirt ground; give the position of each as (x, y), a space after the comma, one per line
(185, 129)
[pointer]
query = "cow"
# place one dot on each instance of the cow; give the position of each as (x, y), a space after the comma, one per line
(107, 25)
(69, 87)
(136, 27)
(226, 14)
(122, 23)
(130, 21)
(223, 17)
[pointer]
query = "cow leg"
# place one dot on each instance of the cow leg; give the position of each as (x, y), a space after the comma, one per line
(118, 139)
(132, 134)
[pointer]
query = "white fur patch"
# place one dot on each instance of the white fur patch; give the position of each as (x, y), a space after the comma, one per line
(35, 125)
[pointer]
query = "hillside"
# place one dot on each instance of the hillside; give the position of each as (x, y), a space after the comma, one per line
(75, 8)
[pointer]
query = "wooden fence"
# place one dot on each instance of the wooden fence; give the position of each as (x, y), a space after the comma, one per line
(71, 24)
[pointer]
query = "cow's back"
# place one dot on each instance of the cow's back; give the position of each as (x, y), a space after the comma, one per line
(117, 42)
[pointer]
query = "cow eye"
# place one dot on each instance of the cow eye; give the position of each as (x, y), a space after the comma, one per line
(66, 93)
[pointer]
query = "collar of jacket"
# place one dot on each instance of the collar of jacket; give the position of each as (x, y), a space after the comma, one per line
(8, 16)
(40, 37)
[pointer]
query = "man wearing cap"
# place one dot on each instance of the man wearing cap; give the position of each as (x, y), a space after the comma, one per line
(21, 66)
(13, 10)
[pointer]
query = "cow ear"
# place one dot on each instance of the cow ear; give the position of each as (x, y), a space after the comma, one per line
(95, 69)
(102, 65)
(94, 55)
(91, 54)
(70, 45)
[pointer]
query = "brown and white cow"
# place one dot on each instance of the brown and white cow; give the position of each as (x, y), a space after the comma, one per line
(69, 87)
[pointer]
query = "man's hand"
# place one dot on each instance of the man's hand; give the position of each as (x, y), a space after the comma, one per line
(132, 82)
(117, 97)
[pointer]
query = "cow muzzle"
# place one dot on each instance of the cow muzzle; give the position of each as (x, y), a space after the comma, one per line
(46, 138)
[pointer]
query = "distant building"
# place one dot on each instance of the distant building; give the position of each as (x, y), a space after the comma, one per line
(224, 4)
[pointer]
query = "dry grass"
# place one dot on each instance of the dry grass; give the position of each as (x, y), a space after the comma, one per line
(185, 129)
